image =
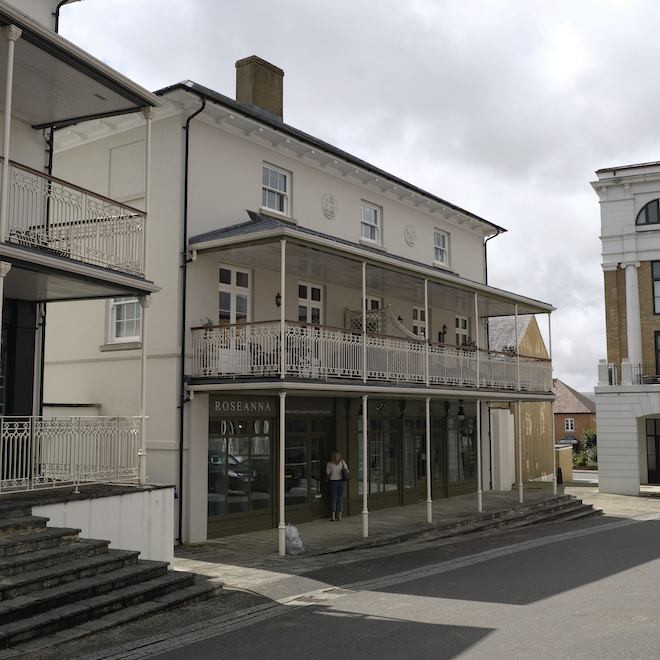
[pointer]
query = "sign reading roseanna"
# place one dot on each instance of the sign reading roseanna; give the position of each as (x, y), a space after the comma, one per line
(222, 406)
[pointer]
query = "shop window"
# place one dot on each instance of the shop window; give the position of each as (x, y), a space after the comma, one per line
(382, 444)
(239, 466)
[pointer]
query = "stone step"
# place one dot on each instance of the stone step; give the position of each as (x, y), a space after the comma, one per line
(38, 559)
(21, 525)
(45, 538)
(36, 603)
(202, 589)
(76, 613)
(14, 510)
(65, 572)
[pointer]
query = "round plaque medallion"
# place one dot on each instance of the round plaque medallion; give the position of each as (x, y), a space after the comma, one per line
(329, 206)
(410, 235)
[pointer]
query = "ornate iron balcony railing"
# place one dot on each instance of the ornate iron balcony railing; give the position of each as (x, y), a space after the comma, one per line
(51, 215)
(39, 453)
(322, 352)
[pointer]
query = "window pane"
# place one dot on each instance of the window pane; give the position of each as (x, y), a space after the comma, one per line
(302, 314)
(316, 293)
(266, 176)
(316, 315)
(302, 291)
(225, 276)
(652, 213)
(242, 279)
(224, 304)
(241, 308)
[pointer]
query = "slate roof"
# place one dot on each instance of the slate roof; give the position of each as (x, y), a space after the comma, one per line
(502, 331)
(569, 401)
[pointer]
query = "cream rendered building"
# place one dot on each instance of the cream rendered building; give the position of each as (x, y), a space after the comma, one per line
(628, 391)
(307, 297)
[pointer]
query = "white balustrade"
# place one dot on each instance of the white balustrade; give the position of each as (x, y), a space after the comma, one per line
(321, 352)
(39, 453)
(51, 215)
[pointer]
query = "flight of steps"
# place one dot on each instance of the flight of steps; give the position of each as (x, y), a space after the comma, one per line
(52, 581)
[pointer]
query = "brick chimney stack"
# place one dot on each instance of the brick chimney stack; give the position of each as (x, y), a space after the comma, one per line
(259, 85)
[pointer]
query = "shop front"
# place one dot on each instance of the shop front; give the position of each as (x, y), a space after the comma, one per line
(243, 456)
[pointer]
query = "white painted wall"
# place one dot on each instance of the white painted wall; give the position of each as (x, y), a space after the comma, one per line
(142, 521)
(503, 444)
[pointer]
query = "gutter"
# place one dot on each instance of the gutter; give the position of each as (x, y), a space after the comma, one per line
(184, 277)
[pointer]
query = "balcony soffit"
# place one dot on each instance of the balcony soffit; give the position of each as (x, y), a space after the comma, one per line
(307, 263)
(56, 84)
(45, 278)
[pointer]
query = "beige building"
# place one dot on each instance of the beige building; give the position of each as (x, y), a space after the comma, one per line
(627, 403)
(535, 429)
(310, 301)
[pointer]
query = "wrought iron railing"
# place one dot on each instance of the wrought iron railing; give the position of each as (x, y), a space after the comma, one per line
(39, 453)
(644, 374)
(322, 352)
(51, 215)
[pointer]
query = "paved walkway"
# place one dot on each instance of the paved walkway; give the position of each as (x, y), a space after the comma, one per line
(243, 560)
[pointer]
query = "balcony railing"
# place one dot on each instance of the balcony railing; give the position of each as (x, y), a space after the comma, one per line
(51, 215)
(321, 352)
(39, 453)
(645, 374)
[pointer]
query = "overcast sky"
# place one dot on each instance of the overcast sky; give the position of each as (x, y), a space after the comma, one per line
(503, 107)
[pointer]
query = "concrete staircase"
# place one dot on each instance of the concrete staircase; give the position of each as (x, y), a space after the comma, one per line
(53, 582)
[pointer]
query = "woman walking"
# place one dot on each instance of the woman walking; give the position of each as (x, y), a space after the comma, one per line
(336, 474)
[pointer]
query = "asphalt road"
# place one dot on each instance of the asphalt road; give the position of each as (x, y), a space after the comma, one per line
(584, 589)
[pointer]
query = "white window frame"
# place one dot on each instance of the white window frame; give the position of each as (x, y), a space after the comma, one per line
(283, 194)
(371, 223)
(419, 321)
(115, 305)
(374, 303)
(233, 290)
(440, 252)
(462, 330)
(308, 303)
(569, 424)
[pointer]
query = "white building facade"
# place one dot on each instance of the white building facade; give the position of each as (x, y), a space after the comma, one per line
(628, 391)
(310, 302)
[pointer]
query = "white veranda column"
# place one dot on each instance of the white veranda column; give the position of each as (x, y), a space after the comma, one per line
(633, 320)
(144, 301)
(283, 308)
(515, 312)
(520, 481)
(429, 491)
(281, 528)
(4, 269)
(148, 113)
(365, 468)
(480, 492)
(12, 33)
(364, 322)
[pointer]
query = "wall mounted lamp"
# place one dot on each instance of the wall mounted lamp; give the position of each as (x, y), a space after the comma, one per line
(278, 300)
(461, 410)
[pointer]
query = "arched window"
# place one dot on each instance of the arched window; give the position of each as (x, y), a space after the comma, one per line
(649, 215)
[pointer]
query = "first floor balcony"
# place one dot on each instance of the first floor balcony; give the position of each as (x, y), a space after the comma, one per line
(41, 453)
(316, 352)
(58, 218)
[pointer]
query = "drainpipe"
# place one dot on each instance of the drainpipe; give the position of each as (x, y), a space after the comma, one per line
(184, 265)
(486, 255)
(56, 13)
